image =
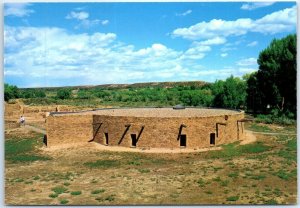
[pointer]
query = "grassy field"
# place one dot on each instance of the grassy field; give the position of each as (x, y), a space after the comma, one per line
(263, 172)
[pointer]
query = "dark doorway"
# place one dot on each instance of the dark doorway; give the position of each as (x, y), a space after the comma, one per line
(213, 138)
(182, 140)
(105, 138)
(45, 139)
(133, 140)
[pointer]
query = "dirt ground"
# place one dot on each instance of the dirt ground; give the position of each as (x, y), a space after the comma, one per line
(91, 174)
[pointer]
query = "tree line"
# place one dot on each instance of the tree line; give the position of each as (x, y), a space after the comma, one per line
(270, 90)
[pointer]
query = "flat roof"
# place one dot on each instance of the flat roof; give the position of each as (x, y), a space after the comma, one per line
(154, 112)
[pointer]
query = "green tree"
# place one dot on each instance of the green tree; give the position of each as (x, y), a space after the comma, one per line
(230, 93)
(276, 77)
(10, 92)
(40, 94)
(83, 94)
(254, 94)
(63, 93)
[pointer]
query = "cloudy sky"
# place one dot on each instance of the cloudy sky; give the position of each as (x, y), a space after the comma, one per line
(63, 44)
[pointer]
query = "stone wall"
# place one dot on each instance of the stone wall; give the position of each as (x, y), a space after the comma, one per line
(164, 132)
(161, 132)
(68, 129)
(12, 110)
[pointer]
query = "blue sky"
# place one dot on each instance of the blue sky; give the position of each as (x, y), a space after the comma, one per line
(65, 44)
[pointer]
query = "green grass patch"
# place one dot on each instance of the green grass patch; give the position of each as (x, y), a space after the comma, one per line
(74, 193)
(224, 183)
(286, 175)
(208, 192)
(98, 191)
(292, 144)
(201, 182)
(53, 195)
(144, 170)
(66, 184)
(59, 189)
(259, 128)
(232, 198)
(271, 202)
(235, 150)
(287, 154)
(233, 175)
(136, 163)
(110, 198)
(64, 201)
(23, 150)
(27, 158)
(103, 164)
(258, 177)
(18, 180)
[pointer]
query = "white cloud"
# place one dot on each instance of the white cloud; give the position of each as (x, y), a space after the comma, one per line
(247, 62)
(78, 15)
(252, 44)
(17, 9)
(224, 54)
(184, 13)
(60, 57)
(84, 21)
(276, 22)
(54, 57)
(226, 48)
(214, 41)
(104, 22)
(256, 5)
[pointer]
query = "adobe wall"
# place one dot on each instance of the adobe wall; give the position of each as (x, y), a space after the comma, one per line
(68, 129)
(12, 110)
(163, 132)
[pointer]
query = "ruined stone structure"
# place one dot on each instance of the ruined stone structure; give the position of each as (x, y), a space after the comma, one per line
(147, 127)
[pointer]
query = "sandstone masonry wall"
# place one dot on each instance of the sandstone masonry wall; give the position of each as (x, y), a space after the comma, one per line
(150, 132)
(163, 132)
(68, 129)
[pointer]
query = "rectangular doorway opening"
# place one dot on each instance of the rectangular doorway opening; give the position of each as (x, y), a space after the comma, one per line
(133, 140)
(212, 138)
(106, 139)
(182, 140)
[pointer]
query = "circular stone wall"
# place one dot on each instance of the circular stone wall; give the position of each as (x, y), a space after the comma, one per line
(166, 127)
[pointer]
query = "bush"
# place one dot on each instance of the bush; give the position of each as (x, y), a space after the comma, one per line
(10, 92)
(232, 198)
(275, 118)
(98, 191)
(63, 93)
(59, 189)
(74, 193)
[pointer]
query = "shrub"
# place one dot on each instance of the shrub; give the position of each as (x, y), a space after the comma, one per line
(76, 193)
(232, 198)
(64, 201)
(63, 93)
(98, 191)
(59, 189)
(53, 195)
